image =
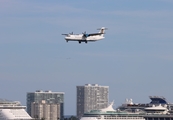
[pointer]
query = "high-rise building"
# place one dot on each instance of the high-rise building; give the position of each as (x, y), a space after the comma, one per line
(91, 97)
(49, 97)
(46, 111)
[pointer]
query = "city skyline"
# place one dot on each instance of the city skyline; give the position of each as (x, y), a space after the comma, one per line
(135, 59)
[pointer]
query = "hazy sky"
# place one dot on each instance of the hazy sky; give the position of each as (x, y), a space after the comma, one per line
(135, 59)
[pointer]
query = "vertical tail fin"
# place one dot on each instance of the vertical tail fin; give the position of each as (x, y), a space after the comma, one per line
(102, 30)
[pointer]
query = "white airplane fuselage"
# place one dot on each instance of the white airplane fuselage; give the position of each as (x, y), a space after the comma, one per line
(83, 39)
(86, 37)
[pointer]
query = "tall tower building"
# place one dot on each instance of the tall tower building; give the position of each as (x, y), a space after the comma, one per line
(48, 96)
(91, 97)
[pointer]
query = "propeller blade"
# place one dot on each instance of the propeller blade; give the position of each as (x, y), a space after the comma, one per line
(84, 32)
(71, 33)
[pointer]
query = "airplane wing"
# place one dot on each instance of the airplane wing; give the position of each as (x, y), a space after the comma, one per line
(92, 34)
(65, 34)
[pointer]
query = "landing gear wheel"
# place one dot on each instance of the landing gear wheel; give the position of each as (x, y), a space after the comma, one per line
(79, 42)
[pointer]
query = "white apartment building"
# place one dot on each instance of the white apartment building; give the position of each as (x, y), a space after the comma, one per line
(47, 111)
(49, 97)
(91, 97)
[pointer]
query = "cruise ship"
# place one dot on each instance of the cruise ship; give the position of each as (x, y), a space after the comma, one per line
(155, 100)
(157, 109)
(12, 110)
(111, 114)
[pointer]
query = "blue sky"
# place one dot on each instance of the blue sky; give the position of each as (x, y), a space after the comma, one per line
(135, 59)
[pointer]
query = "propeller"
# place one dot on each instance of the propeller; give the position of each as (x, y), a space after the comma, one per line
(71, 33)
(68, 34)
(84, 34)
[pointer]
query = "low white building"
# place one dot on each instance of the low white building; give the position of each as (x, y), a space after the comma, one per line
(44, 110)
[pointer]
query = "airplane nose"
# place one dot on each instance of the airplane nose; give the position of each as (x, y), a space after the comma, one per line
(66, 38)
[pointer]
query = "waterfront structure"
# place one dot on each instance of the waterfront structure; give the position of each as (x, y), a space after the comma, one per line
(155, 100)
(109, 113)
(49, 97)
(90, 97)
(133, 111)
(46, 111)
(13, 110)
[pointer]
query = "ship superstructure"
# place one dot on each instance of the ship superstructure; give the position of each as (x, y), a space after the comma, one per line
(155, 101)
(110, 114)
(12, 110)
(157, 109)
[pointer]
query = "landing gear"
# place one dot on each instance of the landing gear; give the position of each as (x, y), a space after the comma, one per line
(82, 41)
(66, 40)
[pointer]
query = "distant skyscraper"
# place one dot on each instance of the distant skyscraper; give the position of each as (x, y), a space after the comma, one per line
(48, 96)
(90, 97)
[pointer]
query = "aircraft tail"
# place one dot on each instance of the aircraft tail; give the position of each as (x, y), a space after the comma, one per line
(102, 30)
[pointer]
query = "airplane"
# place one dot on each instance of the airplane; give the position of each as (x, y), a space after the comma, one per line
(84, 37)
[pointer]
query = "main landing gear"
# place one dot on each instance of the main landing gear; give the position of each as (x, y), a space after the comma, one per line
(83, 41)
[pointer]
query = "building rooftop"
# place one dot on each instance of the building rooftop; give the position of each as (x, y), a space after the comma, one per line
(47, 92)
